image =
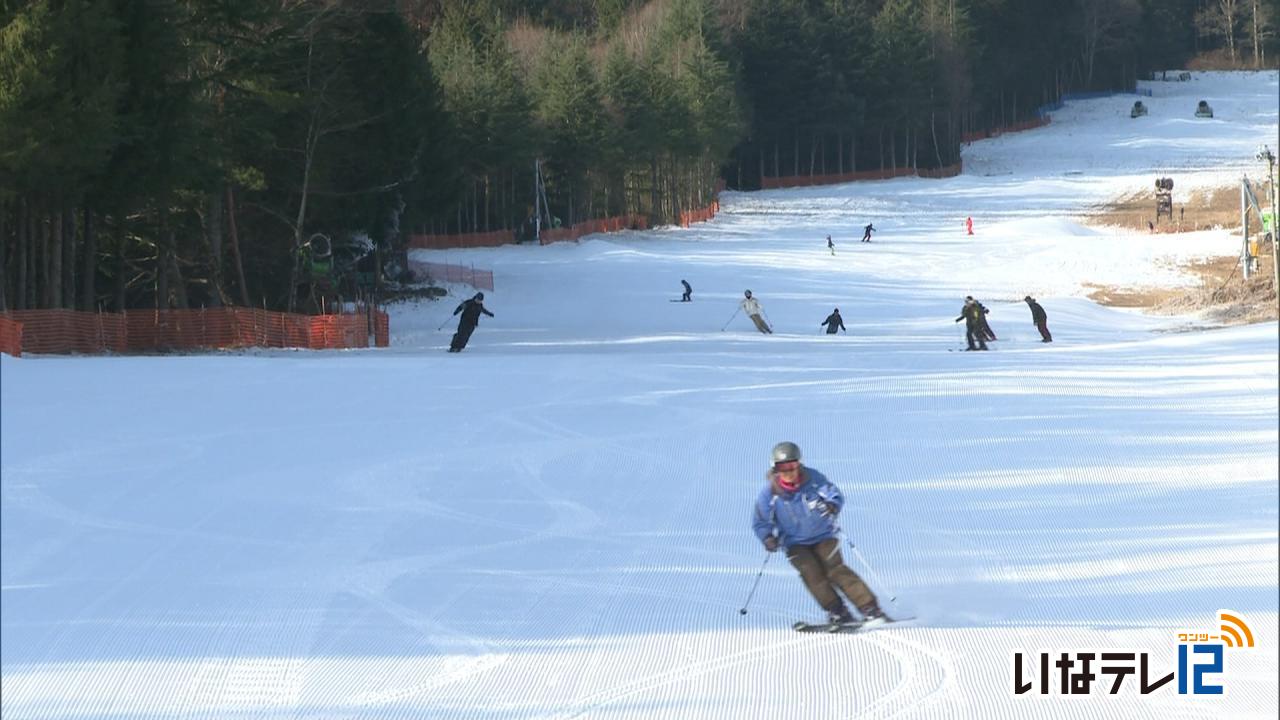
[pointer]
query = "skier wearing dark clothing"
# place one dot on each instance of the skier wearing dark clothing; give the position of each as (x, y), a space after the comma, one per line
(688, 291)
(986, 327)
(972, 316)
(866, 232)
(470, 310)
(831, 246)
(1039, 318)
(796, 510)
(833, 322)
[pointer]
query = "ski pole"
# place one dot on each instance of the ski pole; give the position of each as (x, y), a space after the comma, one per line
(731, 317)
(446, 322)
(755, 584)
(875, 577)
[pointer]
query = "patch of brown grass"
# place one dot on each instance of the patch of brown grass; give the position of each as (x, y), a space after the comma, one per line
(1199, 210)
(1223, 295)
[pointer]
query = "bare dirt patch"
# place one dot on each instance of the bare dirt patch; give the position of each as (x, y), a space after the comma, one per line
(1224, 296)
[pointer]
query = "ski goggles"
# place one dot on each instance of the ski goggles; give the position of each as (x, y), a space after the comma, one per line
(787, 467)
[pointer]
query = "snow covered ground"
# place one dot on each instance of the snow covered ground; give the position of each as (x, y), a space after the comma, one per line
(555, 523)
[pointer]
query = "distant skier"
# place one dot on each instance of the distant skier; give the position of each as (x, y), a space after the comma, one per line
(971, 314)
(866, 232)
(833, 322)
(1039, 318)
(752, 308)
(831, 246)
(968, 224)
(470, 309)
(688, 292)
(796, 510)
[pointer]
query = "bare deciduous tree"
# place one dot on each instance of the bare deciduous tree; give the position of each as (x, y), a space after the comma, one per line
(1103, 23)
(1219, 19)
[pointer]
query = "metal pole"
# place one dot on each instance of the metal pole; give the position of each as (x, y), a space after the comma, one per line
(1244, 228)
(731, 317)
(875, 577)
(755, 584)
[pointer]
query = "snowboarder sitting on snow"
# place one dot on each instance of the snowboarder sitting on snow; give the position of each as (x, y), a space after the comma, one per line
(688, 292)
(1039, 318)
(470, 309)
(866, 232)
(797, 511)
(752, 308)
(971, 314)
(833, 322)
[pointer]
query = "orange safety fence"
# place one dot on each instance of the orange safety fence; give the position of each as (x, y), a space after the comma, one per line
(997, 132)
(769, 183)
(689, 217)
(445, 272)
(463, 240)
(587, 227)
(10, 337)
(70, 331)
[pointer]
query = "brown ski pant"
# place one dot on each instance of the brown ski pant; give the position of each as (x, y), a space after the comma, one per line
(823, 570)
(761, 325)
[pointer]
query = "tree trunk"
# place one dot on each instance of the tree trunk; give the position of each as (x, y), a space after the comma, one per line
(235, 247)
(213, 230)
(69, 259)
(1257, 38)
(933, 129)
(24, 241)
(35, 258)
(178, 282)
(893, 151)
(88, 278)
(795, 152)
(122, 265)
(53, 246)
(4, 257)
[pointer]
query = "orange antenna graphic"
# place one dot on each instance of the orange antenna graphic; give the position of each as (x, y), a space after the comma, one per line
(1235, 633)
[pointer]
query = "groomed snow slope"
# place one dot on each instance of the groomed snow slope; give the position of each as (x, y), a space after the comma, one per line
(555, 523)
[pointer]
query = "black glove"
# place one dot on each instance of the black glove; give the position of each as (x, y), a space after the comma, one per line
(771, 543)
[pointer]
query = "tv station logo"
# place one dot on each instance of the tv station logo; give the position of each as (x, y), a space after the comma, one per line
(1199, 668)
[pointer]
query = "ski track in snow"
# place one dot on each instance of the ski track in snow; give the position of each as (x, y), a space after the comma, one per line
(555, 523)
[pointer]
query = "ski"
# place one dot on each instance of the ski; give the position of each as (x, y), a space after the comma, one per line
(849, 627)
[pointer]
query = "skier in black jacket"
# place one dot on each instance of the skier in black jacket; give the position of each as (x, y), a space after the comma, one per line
(470, 310)
(1039, 318)
(833, 322)
(971, 314)
(688, 291)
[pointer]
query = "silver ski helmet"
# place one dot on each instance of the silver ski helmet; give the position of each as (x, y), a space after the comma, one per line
(785, 452)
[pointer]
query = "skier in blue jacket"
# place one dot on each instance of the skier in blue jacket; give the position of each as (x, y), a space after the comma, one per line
(797, 511)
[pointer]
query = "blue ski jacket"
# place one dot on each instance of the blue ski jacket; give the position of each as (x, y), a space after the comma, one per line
(804, 517)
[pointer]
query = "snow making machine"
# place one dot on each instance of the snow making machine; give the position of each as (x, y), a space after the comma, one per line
(1164, 198)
